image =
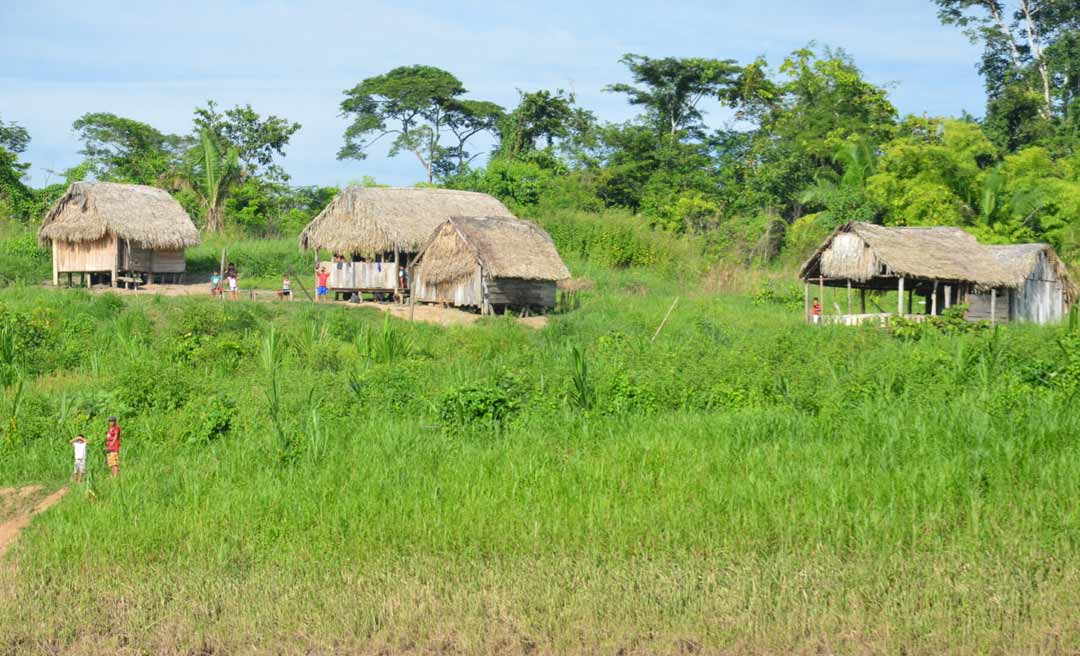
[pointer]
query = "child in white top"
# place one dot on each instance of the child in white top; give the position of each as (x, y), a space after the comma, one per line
(80, 457)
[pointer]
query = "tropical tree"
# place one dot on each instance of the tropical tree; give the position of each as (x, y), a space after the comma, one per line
(671, 89)
(211, 174)
(120, 149)
(416, 106)
(258, 141)
(14, 194)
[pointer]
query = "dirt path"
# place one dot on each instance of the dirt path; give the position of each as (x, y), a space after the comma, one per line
(13, 525)
(427, 313)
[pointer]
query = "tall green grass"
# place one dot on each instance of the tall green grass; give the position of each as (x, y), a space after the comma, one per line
(745, 482)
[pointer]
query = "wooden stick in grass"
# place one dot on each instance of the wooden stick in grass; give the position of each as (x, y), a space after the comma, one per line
(661, 326)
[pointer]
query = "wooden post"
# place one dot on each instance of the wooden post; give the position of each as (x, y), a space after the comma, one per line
(849, 296)
(910, 299)
(115, 245)
(55, 267)
(821, 294)
(993, 306)
(862, 301)
(806, 302)
(933, 301)
(900, 298)
(948, 296)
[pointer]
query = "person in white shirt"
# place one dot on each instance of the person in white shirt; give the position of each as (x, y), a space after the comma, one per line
(80, 456)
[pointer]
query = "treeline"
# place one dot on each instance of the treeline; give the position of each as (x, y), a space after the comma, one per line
(808, 145)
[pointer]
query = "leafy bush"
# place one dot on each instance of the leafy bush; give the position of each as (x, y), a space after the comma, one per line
(475, 403)
(206, 420)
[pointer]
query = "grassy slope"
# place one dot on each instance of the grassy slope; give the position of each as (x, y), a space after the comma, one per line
(745, 483)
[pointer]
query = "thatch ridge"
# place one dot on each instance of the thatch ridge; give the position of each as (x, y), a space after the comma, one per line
(505, 247)
(371, 220)
(859, 251)
(145, 215)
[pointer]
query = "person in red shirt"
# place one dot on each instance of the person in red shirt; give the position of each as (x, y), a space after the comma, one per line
(112, 447)
(815, 311)
(320, 289)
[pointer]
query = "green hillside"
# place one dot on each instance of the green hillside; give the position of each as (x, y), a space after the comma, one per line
(301, 479)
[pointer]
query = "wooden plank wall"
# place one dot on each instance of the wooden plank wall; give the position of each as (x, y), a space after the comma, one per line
(362, 275)
(516, 292)
(100, 255)
(1042, 297)
(979, 306)
(466, 293)
(167, 262)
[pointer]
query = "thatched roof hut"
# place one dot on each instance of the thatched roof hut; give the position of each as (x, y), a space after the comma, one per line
(489, 262)
(104, 231)
(862, 252)
(147, 216)
(945, 265)
(1025, 263)
(369, 221)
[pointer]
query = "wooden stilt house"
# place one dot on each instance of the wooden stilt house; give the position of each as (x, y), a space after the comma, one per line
(377, 230)
(116, 233)
(943, 266)
(491, 264)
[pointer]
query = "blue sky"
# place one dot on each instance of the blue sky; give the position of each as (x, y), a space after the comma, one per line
(156, 62)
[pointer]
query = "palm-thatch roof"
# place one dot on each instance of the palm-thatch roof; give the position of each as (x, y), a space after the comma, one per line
(370, 220)
(145, 215)
(505, 247)
(861, 252)
(1021, 261)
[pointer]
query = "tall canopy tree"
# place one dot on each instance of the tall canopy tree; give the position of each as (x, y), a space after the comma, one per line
(416, 106)
(257, 140)
(14, 194)
(1030, 62)
(671, 89)
(119, 149)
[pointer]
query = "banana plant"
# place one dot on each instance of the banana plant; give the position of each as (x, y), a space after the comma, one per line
(210, 174)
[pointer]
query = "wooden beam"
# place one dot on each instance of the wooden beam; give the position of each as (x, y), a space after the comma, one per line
(900, 298)
(806, 302)
(821, 293)
(55, 266)
(862, 301)
(849, 296)
(933, 301)
(993, 306)
(948, 296)
(910, 299)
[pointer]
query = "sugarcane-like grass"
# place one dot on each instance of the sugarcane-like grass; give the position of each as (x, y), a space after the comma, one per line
(744, 483)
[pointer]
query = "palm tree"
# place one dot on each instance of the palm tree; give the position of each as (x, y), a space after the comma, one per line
(210, 175)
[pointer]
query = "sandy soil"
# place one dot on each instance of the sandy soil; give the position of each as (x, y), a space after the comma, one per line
(427, 313)
(16, 521)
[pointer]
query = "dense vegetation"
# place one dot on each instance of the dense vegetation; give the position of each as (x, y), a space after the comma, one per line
(327, 478)
(313, 479)
(808, 144)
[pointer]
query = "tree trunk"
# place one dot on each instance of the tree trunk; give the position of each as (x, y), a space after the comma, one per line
(214, 219)
(1036, 50)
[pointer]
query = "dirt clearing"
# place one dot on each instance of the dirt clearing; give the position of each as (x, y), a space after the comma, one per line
(18, 507)
(427, 313)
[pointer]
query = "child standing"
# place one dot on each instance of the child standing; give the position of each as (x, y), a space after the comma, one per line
(322, 277)
(233, 287)
(112, 447)
(815, 311)
(286, 289)
(80, 456)
(215, 284)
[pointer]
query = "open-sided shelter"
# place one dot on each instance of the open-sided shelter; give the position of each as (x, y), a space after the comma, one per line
(490, 263)
(946, 266)
(104, 231)
(379, 229)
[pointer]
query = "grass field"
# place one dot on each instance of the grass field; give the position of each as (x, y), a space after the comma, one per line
(302, 479)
